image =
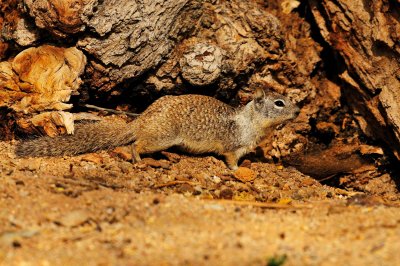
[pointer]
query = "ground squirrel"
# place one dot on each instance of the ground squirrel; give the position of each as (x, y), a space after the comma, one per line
(197, 123)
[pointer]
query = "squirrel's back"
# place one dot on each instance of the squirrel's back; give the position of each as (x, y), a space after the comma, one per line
(195, 122)
(197, 116)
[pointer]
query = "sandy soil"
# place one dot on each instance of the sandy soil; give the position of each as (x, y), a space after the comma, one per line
(173, 209)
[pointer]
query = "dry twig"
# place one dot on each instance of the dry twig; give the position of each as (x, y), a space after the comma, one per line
(268, 205)
(110, 110)
(176, 182)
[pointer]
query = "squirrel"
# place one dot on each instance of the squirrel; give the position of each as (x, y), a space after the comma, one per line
(197, 123)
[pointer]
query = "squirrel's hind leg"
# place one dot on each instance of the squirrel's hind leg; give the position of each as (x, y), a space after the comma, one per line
(144, 146)
(231, 160)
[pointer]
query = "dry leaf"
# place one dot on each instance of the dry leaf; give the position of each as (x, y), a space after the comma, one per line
(245, 174)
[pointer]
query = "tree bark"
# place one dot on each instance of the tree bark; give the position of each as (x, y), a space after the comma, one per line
(366, 36)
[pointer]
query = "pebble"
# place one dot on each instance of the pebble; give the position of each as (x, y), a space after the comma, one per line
(183, 188)
(226, 193)
(197, 190)
(216, 179)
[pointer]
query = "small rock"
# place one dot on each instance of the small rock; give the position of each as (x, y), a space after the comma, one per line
(216, 179)
(183, 188)
(110, 210)
(245, 174)
(74, 218)
(197, 190)
(226, 193)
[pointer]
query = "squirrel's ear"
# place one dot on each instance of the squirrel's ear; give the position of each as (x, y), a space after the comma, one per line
(259, 94)
(259, 98)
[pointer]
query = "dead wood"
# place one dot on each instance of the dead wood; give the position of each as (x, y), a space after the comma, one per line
(365, 34)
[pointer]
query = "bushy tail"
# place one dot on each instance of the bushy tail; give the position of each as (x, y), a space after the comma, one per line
(88, 137)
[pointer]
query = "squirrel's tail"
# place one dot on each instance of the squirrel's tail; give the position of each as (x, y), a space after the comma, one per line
(88, 137)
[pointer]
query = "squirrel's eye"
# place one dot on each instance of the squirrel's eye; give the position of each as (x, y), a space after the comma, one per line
(279, 103)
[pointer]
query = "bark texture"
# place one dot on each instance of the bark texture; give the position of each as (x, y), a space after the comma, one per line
(366, 35)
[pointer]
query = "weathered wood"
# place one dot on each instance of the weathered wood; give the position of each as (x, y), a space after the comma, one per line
(365, 34)
(41, 79)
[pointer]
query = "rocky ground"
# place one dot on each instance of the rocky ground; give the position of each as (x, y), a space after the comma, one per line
(175, 209)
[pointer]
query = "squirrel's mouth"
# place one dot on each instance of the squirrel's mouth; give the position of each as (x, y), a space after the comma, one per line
(288, 120)
(295, 114)
(281, 125)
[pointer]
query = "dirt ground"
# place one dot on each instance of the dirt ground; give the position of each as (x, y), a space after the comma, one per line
(174, 209)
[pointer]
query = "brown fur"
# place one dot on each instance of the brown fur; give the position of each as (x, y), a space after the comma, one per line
(197, 123)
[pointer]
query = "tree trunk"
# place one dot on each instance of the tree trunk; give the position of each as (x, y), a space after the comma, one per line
(366, 37)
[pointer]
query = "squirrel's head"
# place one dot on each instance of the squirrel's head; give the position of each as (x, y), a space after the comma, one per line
(274, 107)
